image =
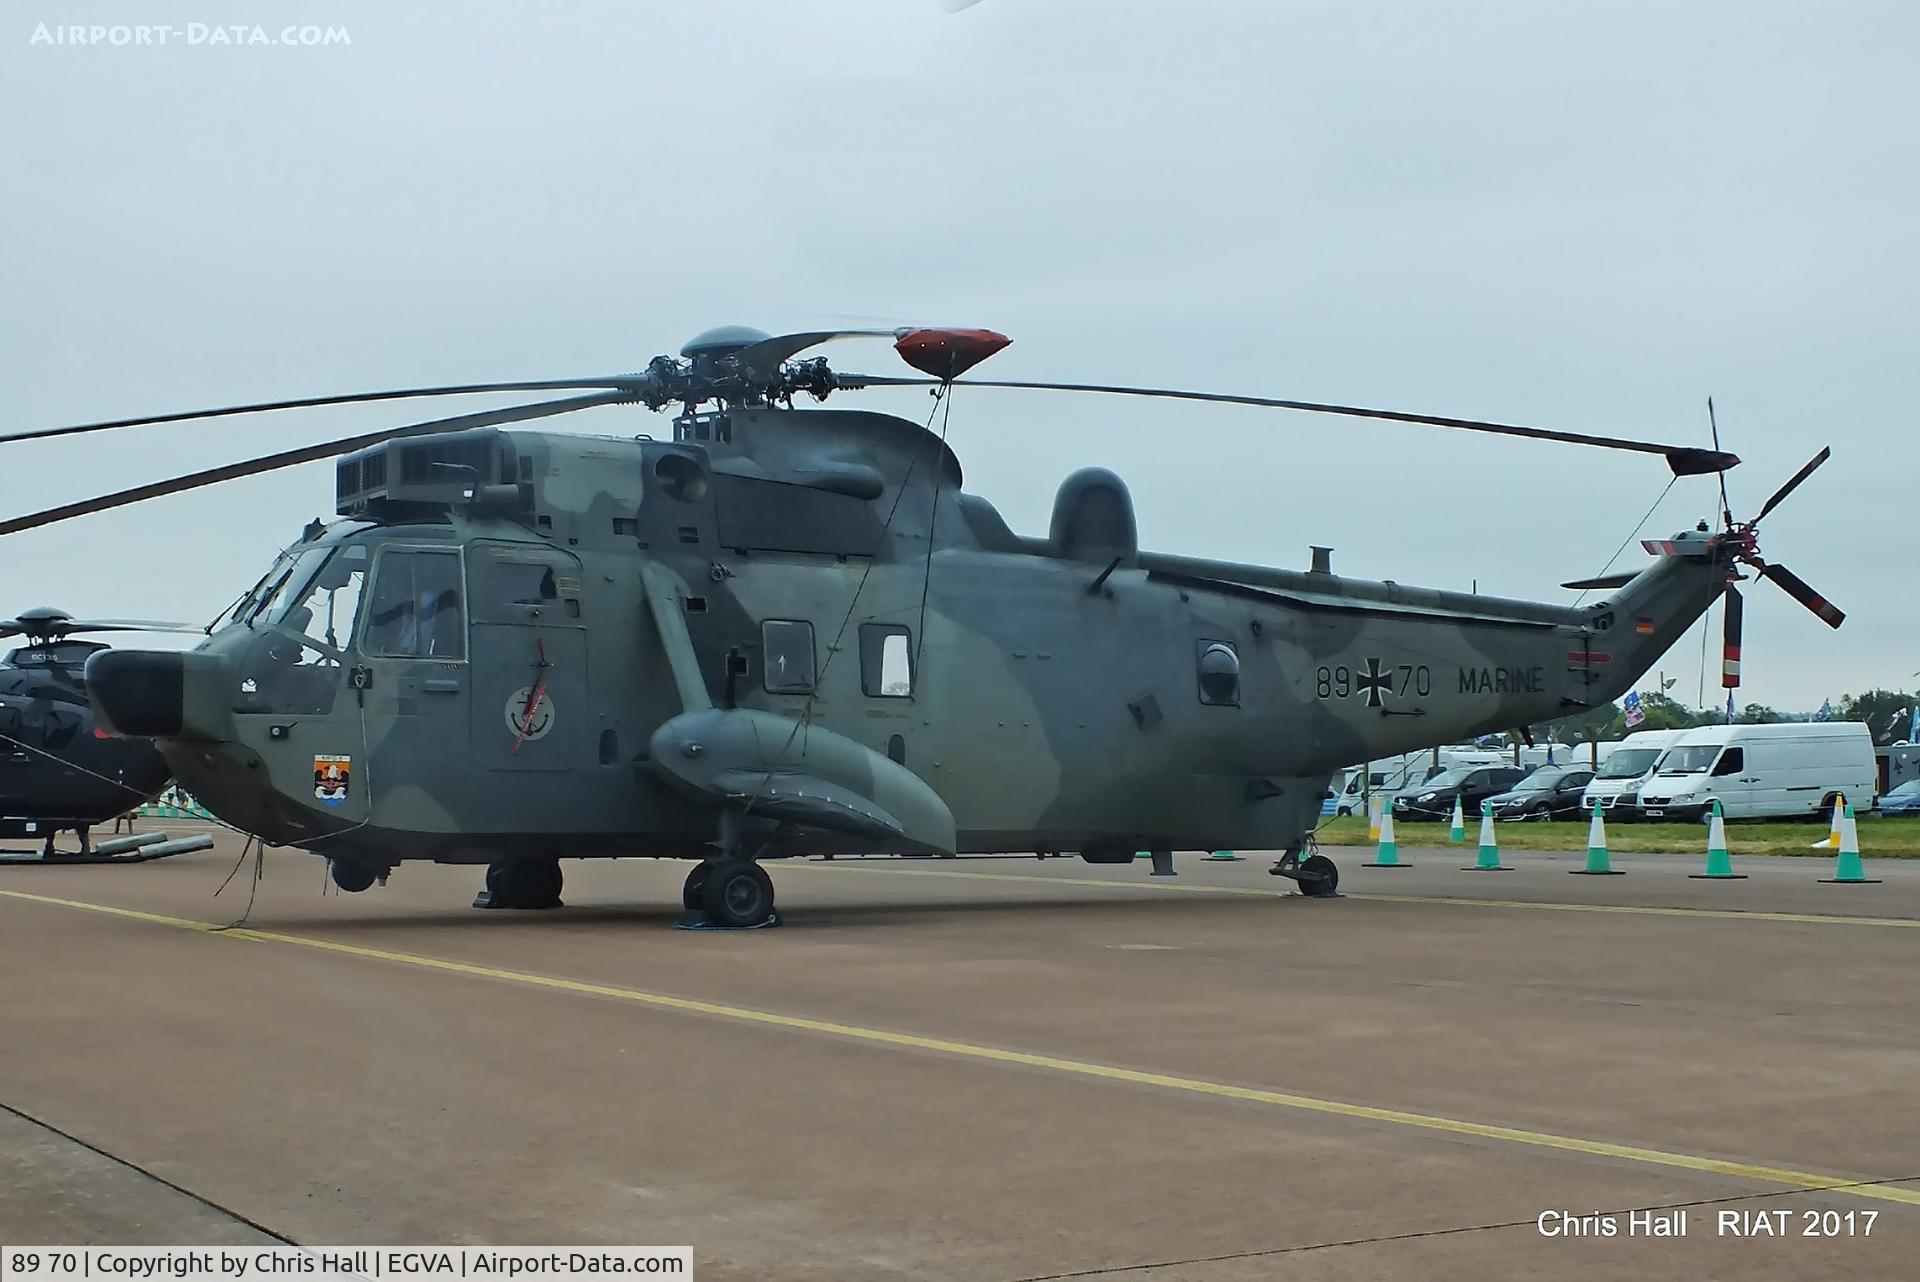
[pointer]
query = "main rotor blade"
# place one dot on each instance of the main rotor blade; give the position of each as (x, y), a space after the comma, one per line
(349, 398)
(1685, 460)
(761, 362)
(305, 454)
(1799, 589)
(1825, 453)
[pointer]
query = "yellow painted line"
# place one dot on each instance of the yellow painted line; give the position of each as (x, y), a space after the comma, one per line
(1085, 1069)
(1724, 914)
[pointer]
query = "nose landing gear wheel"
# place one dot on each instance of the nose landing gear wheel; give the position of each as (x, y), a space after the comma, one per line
(350, 876)
(737, 893)
(1319, 877)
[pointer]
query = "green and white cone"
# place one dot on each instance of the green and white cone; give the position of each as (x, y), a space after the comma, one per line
(1599, 863)
(1458, 833)
(1847, 869)
(1389, 856)
(1489, 860)
(1719, 862)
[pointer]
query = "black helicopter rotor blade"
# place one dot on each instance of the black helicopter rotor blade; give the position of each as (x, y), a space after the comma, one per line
(1800, 590)
(1685, 460)
(70, 627)
(305, 454)
(1825, 453)
(346, 398)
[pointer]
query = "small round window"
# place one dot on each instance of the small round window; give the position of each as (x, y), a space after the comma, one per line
(1219, 674)
(681, 477)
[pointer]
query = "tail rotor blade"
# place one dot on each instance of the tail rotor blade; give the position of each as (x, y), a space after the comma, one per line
(1825, 453)
(1798, 588)
(1726, 508)
(1730, 620)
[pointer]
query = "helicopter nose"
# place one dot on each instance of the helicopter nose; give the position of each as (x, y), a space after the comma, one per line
(138, 692)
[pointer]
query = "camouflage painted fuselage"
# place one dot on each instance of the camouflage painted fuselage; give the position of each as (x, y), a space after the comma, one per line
(1065, 693)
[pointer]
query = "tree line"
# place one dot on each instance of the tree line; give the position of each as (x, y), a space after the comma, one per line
(1877, 708)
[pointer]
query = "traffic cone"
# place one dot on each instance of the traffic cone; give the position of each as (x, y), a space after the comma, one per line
(1832, 841)
(1457, 833)
(1389, 856)
(1719, 862)
(1375, 808)
(1599, 864)
(1489, 860)
(1847, 870)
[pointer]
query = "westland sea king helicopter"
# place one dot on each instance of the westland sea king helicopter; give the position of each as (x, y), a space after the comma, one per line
(789, 631)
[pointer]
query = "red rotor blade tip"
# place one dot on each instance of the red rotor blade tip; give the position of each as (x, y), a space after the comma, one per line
(947, 353)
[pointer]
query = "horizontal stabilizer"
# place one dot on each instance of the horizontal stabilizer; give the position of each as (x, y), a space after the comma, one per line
(1604, 583)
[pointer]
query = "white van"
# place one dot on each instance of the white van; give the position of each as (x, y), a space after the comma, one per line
(1626, 766)
(1793, 768)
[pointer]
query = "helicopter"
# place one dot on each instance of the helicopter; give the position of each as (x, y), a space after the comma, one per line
(789, 630)
(60, 769)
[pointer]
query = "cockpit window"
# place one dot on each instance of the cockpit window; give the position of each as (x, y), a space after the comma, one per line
(417, 610)
(285, 585)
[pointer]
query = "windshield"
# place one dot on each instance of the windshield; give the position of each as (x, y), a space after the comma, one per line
(1911, 788)
(1445, 779)
(1628, 763)
(1690, 760)
(1543, 779)
(294, 666)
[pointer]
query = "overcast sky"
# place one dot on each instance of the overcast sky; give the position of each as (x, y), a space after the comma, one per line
(1586, 216)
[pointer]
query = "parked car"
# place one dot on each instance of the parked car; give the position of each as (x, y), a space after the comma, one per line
(1551, 792)
(1391, 776)
(1793, 768)
(1903, 800)
(1471, 785)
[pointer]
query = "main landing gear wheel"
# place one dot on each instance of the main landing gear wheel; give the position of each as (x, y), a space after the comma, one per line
(351, 875)
(1319, 877)
(522, 883)
(693, 895)
(737, 893)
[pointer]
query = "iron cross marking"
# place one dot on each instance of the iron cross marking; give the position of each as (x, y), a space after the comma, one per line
(1372, 682)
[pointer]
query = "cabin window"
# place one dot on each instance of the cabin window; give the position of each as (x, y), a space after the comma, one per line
(522, 583)
(1732, 762)
(416, 611)
(61, 728)
(787, 647)
(681, 477)
(1219, 672)
(886, 660)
